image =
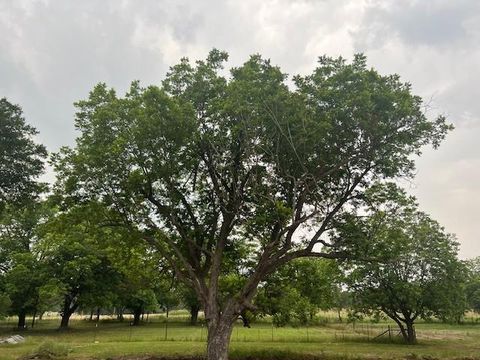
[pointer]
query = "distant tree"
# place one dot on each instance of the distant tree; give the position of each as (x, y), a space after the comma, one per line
(411, 268)
(299, 290)
(4, 304)
(206, 162)
(473, 284)
(168, 294)
(20, 265)
(21, 163)
(190, 299)
(76, 257)
(140, 272)
(21, 158)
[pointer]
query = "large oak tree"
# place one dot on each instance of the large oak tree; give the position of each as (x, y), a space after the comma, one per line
(210, 163)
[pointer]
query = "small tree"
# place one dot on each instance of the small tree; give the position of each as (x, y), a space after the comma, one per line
(71, 244)
(299, 290)
(189, 298)
(473, 284)
(139, 270)
(20, 264)
(413, 269)
(21, 163)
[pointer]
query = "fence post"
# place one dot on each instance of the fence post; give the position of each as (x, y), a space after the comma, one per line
(166, 328)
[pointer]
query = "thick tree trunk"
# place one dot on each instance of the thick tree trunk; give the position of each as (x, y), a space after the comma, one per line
(411, 335)
(65, 320)
(194, 309)
(98, 315)
(21, 320)
(67, 312)
(218, 341)
(137, 313)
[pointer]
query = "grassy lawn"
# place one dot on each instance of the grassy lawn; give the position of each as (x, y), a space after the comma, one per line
(85, 340)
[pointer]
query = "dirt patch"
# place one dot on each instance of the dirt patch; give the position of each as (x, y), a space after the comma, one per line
(40, 356)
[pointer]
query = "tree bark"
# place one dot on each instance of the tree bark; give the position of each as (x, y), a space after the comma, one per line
(219, 333)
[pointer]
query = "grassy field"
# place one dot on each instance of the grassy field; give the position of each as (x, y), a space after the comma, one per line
(108, 338)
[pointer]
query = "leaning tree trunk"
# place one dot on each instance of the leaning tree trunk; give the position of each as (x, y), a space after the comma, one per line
(67, 312)
(407, 331)
(65, 320)
(34, 317)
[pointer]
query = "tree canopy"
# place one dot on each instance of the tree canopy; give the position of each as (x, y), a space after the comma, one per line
(412, 271)
(206, 164)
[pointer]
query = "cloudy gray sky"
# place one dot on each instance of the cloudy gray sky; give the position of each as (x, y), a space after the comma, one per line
(53, 52)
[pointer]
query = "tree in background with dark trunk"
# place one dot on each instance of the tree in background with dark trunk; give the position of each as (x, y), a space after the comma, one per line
(190, 300)
(413, 270)
(21, 270)
(76, 257)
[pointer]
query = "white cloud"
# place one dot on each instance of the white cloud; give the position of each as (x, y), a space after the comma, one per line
(53, 52)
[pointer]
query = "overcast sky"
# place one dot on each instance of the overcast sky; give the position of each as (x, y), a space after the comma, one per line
(53, 52)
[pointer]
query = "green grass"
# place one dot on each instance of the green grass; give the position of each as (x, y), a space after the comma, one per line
(331, 341)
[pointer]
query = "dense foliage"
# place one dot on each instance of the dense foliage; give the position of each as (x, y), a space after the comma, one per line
(211, 189)
(412, 268)
(21, 158)
(207, 164)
